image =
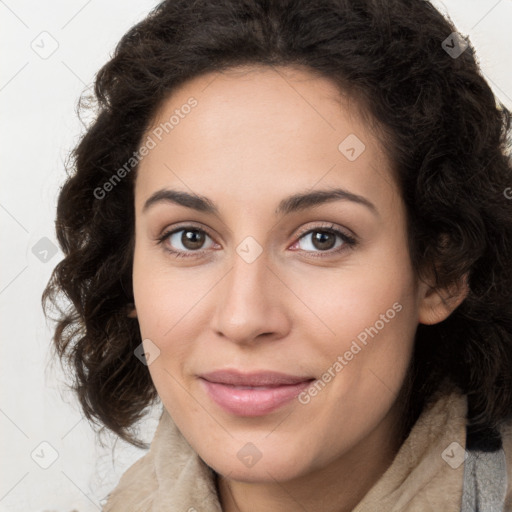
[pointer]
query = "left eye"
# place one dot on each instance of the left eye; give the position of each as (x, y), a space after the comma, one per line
(322, 240)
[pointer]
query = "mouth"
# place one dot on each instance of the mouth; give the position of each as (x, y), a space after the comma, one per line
(252, 394)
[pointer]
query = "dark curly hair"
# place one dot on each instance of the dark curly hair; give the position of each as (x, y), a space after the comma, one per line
(439, 122)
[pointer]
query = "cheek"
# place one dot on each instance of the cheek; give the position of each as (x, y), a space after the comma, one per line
(364, 342)
(356, 302)
(379, 295)
(165, 297)
(161, 301)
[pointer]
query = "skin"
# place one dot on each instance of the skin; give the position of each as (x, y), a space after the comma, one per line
(256, 136)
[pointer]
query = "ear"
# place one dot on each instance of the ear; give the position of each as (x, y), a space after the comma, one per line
(437, 304)
(132, 312)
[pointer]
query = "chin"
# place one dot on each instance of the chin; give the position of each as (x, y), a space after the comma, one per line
(277, 466)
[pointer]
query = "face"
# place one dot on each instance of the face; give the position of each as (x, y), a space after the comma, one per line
(280, 330)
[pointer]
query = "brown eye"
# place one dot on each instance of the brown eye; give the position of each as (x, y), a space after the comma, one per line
(323, 240)
(185, 241)
(192, 239)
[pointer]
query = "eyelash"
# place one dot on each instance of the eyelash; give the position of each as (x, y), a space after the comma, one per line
(349, 241)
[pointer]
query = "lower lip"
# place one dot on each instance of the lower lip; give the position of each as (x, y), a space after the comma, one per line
(252, 402)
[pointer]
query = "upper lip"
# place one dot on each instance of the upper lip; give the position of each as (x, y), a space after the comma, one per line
(259, 378)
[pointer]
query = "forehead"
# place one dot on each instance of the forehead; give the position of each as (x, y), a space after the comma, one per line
(261, 130)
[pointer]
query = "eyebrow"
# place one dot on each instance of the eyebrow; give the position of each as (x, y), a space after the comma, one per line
(293, 203)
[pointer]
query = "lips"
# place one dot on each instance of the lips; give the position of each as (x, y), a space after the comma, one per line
(252, 394)
(255, 379)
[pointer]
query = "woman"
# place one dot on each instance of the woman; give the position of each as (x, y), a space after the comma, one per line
(289, 222)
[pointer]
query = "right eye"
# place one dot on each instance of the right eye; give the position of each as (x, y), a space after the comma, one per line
(190, 238)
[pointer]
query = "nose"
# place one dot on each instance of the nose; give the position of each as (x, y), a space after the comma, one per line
(251, 303)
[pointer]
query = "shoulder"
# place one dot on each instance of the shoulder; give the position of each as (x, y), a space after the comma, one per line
(506, 437)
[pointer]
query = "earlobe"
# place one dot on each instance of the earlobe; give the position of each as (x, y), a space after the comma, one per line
(437, 304)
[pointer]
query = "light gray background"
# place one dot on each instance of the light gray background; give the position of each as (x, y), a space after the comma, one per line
(38, 95)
